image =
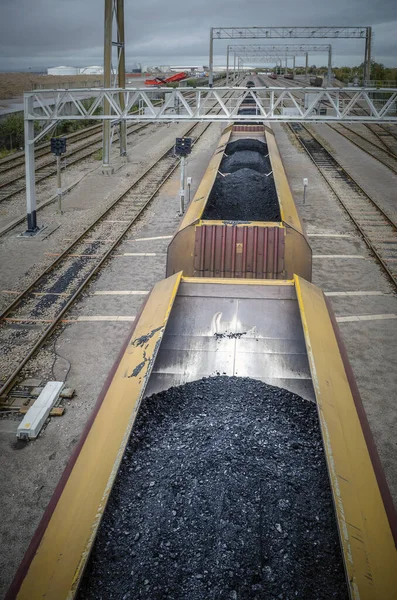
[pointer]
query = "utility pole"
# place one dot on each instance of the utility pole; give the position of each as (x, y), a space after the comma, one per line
(307, 65)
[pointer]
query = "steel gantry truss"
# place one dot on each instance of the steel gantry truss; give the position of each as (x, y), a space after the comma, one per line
(264, 52)
(200, 104)
(241, 33)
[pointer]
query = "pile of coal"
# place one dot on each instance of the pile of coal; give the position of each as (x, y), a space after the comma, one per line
(246, 159)
(244, 188)
(247, 144)
(222, 494)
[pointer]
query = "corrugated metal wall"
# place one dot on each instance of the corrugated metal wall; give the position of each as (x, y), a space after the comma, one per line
(246, 251)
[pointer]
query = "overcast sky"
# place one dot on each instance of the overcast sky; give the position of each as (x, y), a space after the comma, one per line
(42, 33)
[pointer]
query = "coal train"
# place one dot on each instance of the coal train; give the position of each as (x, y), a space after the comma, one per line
(237, 301)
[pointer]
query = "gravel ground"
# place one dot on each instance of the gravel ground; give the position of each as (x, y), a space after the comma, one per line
(243, 192)
(223, 493)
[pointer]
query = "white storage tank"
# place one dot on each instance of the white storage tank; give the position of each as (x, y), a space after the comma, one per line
(63, 71)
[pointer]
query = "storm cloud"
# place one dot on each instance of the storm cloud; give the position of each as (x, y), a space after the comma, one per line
(43, 33)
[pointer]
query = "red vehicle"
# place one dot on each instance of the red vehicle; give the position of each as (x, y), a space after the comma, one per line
(160, 81)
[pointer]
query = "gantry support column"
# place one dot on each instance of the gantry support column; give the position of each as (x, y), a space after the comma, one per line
(29, 169)
(121, 66)
(211, 65)
(227, 66)
(107, 83)
(367, 62)
(329, 74)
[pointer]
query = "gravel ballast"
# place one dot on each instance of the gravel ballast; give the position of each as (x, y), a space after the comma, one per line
(222, 493)
(244, 188)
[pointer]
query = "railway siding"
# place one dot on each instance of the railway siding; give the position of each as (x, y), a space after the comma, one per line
(377, 228)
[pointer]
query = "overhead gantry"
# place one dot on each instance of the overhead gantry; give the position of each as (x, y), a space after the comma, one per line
(245, 33)
(118, 105)
(265, 52)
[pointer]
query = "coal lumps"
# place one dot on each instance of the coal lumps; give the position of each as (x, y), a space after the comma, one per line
(244, 188)
(222, 494)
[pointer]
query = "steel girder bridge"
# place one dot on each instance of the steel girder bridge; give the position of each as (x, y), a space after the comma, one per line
(241, 33)
(264, 52)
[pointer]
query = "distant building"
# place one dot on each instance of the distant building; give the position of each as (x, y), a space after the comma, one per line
(94, 70)
(63, 71)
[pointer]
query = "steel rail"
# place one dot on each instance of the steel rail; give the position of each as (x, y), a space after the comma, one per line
(382, 214)
(52, 168)
(379, 136)
(366, 142)
(18, 158)
(75, 136)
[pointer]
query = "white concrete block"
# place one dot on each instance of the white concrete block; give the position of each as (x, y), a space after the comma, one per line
(37, 414)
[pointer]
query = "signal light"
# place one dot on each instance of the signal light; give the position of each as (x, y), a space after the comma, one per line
(58, 146)
(183, 146)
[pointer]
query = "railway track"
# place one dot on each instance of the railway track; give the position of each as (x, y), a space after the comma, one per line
(377, 228)
(30, 319)
(18, 158)
(16, 185)
(388, 159)
(385, 137)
